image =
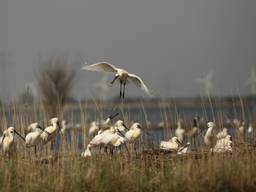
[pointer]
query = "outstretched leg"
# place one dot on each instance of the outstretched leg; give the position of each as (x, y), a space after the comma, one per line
(124, 89)
(121, 83)
(114, 80)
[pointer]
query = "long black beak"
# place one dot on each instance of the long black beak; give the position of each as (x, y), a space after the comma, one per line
(126, 127)
(113, 116)
(58, 124)
(43, 130)
(19, 135)
(114, 80)
(39, 127)
(121, 133)
(179, 142)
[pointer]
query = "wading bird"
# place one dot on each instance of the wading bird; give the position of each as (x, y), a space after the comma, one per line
(51, 132)
(172, 145)
(121, 74)
(223, 145)
(179, 132)
(33, 137)
(8, 140)
(250, 129)
(209, 137)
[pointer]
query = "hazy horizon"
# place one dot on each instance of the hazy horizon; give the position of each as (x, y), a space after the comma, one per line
(168, 43)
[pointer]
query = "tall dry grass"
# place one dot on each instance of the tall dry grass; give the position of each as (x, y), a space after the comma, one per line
(151, 171)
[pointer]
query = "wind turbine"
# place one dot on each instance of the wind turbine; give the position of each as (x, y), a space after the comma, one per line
(207, 83)
(251, 81)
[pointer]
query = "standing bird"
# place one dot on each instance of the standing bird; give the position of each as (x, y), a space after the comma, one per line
(121, 74)
(33, 137)
(250, 129)
(209, 137)
(7, 140)
(222, 134)
(51, 131)
(179, 132)
(223, 144)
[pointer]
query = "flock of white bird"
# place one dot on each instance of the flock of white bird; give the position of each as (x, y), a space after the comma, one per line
(117, 135)
(35, 135)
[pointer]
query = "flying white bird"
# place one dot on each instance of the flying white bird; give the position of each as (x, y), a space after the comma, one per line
(251, 81)
(121, 74)
(207, 83)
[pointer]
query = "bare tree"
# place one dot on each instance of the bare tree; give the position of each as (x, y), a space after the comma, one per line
(55, 81)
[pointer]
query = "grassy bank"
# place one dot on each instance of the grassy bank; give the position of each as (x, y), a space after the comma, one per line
(154, 172)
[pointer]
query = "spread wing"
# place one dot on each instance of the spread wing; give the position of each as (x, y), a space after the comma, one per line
(139, 83)
(101, 67)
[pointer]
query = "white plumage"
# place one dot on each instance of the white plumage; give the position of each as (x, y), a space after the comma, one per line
(134, 133)
(222, 134)
(121, 74)
(223, 145)
(250, 129)
(209, 137)
(51, 131)
(172, 145)
(179, 132)
(7, 142)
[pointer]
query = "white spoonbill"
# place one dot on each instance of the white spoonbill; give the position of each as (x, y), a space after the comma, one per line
(8, 140)
(223, 145)
(51, 131)
(102, 126)
(172, 145)
(33, 137)
(209, 137)
(120, 126)
(121, 74)
(222, 134)
(179, 132)
(109, 138)
(250, 129)
(134, 132)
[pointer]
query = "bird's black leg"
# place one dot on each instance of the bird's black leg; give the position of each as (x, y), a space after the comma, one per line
(124, 89)
(121, 83)
(114, 80)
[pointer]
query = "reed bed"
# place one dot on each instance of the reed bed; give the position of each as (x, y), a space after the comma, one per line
(144, 172)
(148, 170)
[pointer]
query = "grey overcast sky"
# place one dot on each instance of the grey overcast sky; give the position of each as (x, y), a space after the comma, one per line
(170, 43)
